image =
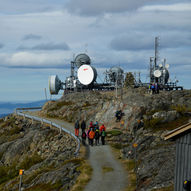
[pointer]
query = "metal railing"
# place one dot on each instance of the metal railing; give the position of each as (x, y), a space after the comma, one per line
(18, 111)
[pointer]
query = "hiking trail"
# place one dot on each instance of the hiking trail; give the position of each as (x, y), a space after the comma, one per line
(108, 174)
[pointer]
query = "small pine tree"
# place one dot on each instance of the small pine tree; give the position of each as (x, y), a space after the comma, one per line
(129, 80)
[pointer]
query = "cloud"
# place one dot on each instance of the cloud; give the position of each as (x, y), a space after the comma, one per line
(1, 45)
(47, 46)
(96, 7)
(142, 41)
(32, 37)
(170, 8)
(29, 6)
(35, 60)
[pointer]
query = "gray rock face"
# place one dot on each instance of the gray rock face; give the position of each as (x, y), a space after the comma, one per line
(42, 152)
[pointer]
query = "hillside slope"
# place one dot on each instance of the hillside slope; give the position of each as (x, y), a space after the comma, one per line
(158, 114)
(46, 156)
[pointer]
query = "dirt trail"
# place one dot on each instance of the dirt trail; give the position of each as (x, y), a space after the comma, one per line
(100, 157)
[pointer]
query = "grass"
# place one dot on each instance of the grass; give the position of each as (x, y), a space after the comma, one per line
(114, 132)
(46, 187)
(156, 126)
(169, 188)
(30, 161)
(85, 172)
(106, 169)
(117, 146)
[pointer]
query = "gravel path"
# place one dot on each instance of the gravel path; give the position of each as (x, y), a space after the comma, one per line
(115, 180)
(100, 157)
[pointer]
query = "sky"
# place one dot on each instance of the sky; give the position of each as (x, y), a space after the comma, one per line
(39, 38)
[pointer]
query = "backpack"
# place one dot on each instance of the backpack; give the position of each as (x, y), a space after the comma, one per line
(83, 135)
(91, 135)
(103, 133)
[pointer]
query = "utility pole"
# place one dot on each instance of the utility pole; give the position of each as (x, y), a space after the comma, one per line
(45, 94)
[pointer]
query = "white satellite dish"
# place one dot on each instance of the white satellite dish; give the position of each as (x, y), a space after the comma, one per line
(157, 73)
(86, 74)
(54, 84)
(160, 65)
(167, 66)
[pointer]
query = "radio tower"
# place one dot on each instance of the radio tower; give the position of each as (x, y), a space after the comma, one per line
(156, 51)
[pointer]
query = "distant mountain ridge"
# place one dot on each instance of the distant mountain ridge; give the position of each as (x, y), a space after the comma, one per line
(8, 107)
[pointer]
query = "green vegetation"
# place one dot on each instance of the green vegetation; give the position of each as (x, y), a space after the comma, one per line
(85, 171)
(129, 80)
(114, 132)
(117, 146)
(106, 169)
(169, 188)
(152, 123)
(180, 109)
(46, 187)
(155, 124)
(30, 161)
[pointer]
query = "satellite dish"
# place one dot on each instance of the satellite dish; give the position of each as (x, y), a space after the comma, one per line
(160, 65)
(82, 59)
(167, 66)
(86, 74)
(54, 84)
(157, 73)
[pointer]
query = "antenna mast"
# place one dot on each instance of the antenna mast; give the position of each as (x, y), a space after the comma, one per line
(156, 51)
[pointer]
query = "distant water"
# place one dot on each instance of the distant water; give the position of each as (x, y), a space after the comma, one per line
(3, 115)
(9, 107)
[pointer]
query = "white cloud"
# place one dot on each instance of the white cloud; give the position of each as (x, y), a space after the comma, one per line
(169, 8)
(35, 60)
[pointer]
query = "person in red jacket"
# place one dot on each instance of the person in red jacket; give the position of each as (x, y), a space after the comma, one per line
(102, 128)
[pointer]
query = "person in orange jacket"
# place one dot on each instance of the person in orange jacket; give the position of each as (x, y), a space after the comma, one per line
(91, 136)
(102, 128)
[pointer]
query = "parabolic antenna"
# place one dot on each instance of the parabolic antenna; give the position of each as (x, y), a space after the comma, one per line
(82, 59)
(167, 66)
(86, 74)
(160, 65)
(54, 84)
(157, 73)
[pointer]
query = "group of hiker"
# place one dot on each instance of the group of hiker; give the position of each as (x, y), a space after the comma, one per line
(154, 88)
(93, 132)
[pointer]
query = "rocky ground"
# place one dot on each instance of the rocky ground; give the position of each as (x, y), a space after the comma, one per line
(46, 155)
(158, 114)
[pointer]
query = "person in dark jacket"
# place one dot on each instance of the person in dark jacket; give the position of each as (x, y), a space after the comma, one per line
(77, 126)
(83, 126)
(97, 135)
(103, 134)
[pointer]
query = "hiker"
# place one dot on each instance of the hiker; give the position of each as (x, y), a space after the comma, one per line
(118, 115)
(156, 88)
(102, 128)
(91, 136)
(83, 137)
(103, 134)
(153, 88)
(96, 126)
(91, 124)
(83, 126)
(97, 135)
(77, 126)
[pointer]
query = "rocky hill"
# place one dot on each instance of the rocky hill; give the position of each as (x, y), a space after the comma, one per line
(46, 155)
(146, 119)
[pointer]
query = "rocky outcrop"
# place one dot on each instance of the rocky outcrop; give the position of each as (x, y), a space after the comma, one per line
(46, 155)
(146, 118)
